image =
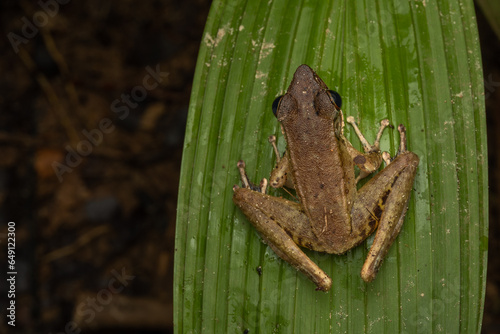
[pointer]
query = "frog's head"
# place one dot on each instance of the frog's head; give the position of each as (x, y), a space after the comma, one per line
(307, 95)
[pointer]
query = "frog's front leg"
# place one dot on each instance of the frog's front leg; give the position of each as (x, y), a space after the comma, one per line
(369, 161)
(271, 217)
(383, 201)
(280, 175)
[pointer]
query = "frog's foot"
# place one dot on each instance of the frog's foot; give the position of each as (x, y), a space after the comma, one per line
(366, 145)
(386, 157)
(402, 139)
(402, 146)
(272, 141)
(246, 182)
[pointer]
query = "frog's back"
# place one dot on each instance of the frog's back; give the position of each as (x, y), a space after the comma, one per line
(322, 170)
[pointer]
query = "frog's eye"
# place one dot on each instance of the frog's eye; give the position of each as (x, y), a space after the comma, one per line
(335, 98)
(276, 104)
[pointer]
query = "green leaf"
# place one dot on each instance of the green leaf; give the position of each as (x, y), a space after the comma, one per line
(414, 62)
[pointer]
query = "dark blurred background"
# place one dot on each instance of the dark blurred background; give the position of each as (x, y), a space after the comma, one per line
(111, 80)
(102, 89)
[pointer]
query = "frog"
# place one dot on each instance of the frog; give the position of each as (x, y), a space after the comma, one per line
(331, 214)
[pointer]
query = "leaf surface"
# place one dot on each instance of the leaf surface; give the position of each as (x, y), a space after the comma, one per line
(414, 62)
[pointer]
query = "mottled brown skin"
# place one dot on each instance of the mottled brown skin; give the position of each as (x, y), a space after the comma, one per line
(332, 215)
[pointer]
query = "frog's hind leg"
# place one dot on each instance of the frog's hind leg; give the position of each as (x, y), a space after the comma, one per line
(269, 215)
(282, 224)
(392, 217)
(385, 198)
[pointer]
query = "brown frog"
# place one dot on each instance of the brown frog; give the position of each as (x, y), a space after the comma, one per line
(332, 216)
